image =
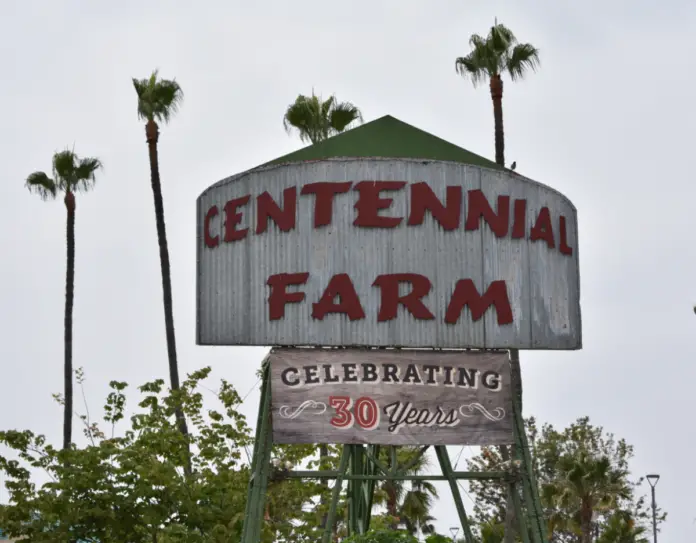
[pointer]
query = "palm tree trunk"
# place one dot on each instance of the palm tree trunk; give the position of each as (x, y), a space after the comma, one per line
(69, 301)
(497, 96)
(586, 522)
(152, 133)
(496, 86)
(392, 509)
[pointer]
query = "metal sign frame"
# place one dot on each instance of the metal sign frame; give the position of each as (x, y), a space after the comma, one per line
(360, 466)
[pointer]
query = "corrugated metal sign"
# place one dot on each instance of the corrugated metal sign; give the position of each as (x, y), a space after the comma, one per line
(387, 252)
(390, 397)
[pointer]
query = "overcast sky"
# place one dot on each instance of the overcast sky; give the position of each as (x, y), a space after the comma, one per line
(608, 121)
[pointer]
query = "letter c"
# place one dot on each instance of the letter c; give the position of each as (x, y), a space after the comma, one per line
(284, 377)
(210, 241)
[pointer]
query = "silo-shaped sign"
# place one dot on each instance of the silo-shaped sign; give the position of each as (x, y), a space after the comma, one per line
(386, 235)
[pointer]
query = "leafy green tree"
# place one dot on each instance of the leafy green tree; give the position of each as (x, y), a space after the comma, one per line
(490, 58)
(132, 487)
(71, 175)
(584, 474)
(316, 120)
(437, 538)
(158, 100)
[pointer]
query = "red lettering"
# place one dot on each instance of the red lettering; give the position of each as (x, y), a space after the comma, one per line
(369, 203)
(210, 241)
(563, 235)
(233, 218)
(324, 193)
(340, 285)
(543, 230)
(279, 296)
(479, 207)
(466, 294)
(520, 216)
(423, 198)
(389, 287)
(268, 208)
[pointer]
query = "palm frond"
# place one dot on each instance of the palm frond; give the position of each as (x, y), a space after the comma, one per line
(141, 89)
(343, 115)
(168, 97)
(476, 41)
(158, 99)
(497, 52)
(500, 39)
(326, 105)
(316, 119)
(39, 183)
(469, 66)
(85, 173)
(522, 57)
(301, 116)
(64, 166)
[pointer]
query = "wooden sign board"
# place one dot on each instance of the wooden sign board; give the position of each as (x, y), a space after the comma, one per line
(398, 397)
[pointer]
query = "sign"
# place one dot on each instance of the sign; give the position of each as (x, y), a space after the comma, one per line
(390, 397)
(387, 252)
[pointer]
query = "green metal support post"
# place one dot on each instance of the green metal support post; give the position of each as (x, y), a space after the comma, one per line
(260, 467)
(447, 471)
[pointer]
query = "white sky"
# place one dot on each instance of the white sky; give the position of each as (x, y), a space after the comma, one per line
(607, 121)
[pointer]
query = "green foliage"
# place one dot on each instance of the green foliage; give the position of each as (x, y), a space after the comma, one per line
(498, 53)
(437, 538)
(133, 488)
(585, 483)
(71, 174)
(158, 99)
(407, 503)
(316, 119)
(382, 536)
(622, 528)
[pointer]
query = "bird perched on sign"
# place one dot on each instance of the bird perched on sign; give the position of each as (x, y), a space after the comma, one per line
(513, 166)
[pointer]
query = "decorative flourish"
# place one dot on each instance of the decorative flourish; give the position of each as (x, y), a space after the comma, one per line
(498, 412)
(318, 408)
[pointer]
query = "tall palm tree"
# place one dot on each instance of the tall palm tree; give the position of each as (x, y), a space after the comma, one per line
(71, 175)
(316, 119)
(491, 57)
(158, 100)
(587, 484)
(497, 54)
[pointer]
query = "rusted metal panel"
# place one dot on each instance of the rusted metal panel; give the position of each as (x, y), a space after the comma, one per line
(542, 283)
(390, 397)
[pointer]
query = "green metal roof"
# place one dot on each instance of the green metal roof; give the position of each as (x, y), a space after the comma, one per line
(386, 137)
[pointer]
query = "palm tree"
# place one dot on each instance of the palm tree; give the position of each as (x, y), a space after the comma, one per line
(622, 528)
(587, 484)
(316, 119)
(158, 101)
(71, 175)
(490, 58)
(408, 503)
